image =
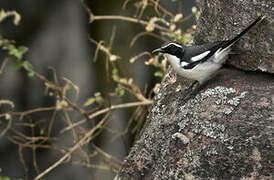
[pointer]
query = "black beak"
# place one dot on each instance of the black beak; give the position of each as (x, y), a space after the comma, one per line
(156, 51)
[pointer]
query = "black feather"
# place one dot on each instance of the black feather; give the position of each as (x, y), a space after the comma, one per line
(223, 44)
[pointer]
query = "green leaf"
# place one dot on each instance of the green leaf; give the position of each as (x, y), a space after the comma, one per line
(20, 52)
(23, 49)
(187, 37)
(158, 74)
(17, 52)
(1, 42)
(31, 74)
(120, 90)
(98, 98)
(4, 178)
(27, 66)
(115, 75)
(89, 101)
(9, 47)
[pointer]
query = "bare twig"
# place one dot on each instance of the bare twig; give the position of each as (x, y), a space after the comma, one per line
(102, 111)
(52, 119)
(3, 65)
(108, 157)
(22, 114)
(129, 19)
(137, 36)
(72, 149)
(105, 167)
(75, 87)
(156, 6)
(34, 159)
(7, 127)
(35, 145)
(75, 135)
(22, 160)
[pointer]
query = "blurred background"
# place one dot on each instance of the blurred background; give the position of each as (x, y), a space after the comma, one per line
(71, 46)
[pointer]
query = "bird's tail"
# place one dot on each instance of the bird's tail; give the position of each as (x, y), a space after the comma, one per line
(235, 39)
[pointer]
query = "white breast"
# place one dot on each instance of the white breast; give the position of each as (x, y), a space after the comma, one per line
(201, 72)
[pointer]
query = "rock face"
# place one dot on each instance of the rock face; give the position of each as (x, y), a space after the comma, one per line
(227, 130)
(222, 20)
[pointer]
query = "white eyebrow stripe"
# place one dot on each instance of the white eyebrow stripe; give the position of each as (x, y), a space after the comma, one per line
(200, 56)
(183, 63)
(175, 44)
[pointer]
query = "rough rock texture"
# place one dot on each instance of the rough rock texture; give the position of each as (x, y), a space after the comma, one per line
(227, 130)
(222, 20)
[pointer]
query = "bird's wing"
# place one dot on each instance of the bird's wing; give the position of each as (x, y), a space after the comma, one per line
(200, 53)
(219, 46)
(197, 50)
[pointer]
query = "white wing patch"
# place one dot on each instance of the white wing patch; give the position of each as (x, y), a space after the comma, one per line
(200, 56)
(183, 64)
(221, 55)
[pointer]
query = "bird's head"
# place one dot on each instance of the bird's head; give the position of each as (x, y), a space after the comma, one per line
(173, 48)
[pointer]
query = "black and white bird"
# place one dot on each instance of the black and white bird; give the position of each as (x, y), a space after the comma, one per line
(200, 62)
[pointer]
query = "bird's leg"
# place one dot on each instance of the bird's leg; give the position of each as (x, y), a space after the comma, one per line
(195, 83)
(190, 91)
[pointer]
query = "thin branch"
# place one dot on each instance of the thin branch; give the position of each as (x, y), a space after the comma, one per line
(36, 145)
(7, 128)
(156, 6)
(129, 19)
(105, 167)
(108, 157)
(72, 149)
(75, 135)
(22, 160)
(22, 114)
(3, 65)
(137, 36)
(102, 111)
